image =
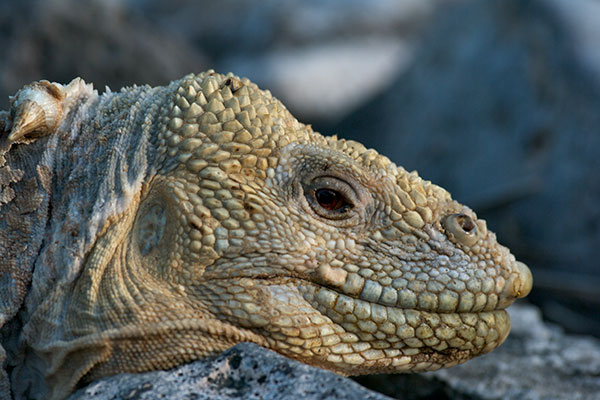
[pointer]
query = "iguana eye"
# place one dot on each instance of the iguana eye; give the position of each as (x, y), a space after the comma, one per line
(330, 197)
(331, 200)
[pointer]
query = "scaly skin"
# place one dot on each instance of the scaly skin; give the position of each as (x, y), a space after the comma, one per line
(184, 219)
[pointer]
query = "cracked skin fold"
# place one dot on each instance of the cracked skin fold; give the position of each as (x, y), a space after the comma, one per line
(161, 225)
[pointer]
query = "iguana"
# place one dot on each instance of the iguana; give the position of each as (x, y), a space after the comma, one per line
(146, 228)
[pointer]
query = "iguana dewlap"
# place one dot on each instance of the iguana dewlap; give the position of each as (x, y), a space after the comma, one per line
(149, 227)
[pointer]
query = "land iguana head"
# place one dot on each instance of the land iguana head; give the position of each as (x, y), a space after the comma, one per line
(246, 225)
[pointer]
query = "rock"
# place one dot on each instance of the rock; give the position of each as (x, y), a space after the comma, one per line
(246, 371)
(581, 20)
(537, 361)
(99, 41)
(499, 108)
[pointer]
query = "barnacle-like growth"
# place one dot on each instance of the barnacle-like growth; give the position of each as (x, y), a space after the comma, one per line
(38, 108)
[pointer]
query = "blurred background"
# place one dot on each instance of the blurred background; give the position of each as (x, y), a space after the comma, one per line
(497, 101)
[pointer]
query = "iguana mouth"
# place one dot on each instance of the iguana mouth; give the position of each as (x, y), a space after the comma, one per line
(405, 331)
(411, 332)
(321, 326)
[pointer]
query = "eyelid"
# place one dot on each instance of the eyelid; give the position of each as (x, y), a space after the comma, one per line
(337, 184)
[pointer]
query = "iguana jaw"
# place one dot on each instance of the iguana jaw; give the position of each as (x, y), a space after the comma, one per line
(430, 340)
(322, 327)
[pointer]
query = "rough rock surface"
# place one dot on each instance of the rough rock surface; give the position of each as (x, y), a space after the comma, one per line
(497, 107)
(245, 371)
(537, 361)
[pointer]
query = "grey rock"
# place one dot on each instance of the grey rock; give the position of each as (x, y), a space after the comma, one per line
(581, 19)
(246, 371)
(498, 108)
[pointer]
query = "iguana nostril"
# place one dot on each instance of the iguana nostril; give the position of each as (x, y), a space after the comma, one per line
(466, 223)
(461, 228)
